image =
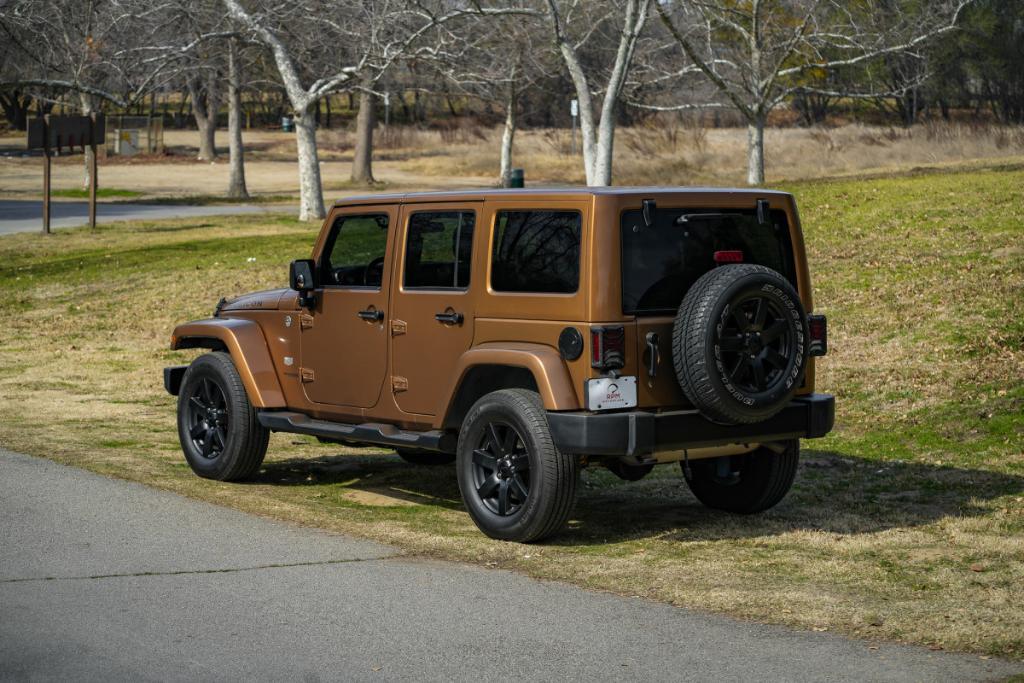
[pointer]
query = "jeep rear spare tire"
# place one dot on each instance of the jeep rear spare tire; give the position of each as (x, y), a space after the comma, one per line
(739, 343)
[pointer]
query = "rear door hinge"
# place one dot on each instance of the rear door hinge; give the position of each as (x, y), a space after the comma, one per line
(306, 374)
(398, 327)
(399, 384)
(305, 321)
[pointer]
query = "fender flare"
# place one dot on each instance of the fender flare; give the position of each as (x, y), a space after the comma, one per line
(244, 340)
(543, 362)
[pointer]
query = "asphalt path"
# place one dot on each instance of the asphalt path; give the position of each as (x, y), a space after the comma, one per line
(104, 579)
(27, 215)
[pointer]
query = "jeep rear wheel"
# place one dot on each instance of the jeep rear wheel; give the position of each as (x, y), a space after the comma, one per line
(217, 426)
(516, 485)
(747, 483)
(739, 343)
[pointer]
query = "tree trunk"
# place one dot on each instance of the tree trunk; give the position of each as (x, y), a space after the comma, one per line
(362, 161)
(207, 131)
(87, 108)
(204, 110)
(236, 152)
(601, 175)
(507, 138)
(311, 201)
(16, 109)
(755, 151)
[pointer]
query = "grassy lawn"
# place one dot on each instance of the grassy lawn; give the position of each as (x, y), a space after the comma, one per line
(101, 192)
(907, 523)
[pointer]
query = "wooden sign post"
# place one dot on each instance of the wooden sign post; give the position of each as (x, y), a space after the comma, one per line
(56, 132)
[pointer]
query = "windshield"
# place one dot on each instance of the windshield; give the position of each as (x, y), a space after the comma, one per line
(661, 263)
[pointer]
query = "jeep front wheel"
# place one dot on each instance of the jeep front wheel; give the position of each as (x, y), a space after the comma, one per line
(516, 485)
(217, 426)
(747, 483)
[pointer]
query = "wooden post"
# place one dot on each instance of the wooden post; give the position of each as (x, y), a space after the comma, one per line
(46, 174)
(93, 180)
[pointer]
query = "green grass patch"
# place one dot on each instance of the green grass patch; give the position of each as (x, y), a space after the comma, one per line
(906, 523)
(102, 192)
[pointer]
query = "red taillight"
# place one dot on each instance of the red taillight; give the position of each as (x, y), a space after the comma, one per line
(607, 347)
(728, 257)
(817, 326)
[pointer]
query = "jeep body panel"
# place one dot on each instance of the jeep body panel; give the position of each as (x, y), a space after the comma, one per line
(407, 368)
(244, 340)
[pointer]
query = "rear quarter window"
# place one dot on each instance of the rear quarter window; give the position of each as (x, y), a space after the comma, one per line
(536, 251)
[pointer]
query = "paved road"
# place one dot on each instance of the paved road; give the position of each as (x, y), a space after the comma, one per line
(103, 579)
(27, 215)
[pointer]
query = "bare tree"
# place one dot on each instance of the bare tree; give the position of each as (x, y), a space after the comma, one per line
(100, 51)
(496, 60)
(236, 151)
(204, 90)
(366, 121)
(758, 54)
(324, 46)
(624, 21)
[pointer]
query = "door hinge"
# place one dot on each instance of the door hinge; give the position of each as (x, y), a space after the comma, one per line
(306, 374)
(398, 327)
(305, 321)
(399, 384)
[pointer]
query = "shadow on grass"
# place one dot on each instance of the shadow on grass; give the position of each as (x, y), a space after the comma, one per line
(833, 492)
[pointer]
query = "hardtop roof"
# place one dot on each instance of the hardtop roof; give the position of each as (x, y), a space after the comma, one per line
(527, 193)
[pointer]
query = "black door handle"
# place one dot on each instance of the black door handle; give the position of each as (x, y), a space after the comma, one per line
(449, 318)
(652, 349)
(371, 315)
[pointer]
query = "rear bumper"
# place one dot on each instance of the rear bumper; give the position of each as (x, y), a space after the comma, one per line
(641, 433)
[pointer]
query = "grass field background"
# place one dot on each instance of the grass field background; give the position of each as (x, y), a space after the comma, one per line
(906, 523)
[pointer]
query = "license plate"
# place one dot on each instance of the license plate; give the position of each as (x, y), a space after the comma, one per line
(608, 393)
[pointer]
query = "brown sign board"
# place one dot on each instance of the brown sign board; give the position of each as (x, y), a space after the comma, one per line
(65, 132)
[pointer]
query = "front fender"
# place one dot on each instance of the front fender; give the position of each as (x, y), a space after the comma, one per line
(244, 340)
(545, 364)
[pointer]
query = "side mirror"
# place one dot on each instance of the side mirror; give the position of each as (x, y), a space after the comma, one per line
(302, 280)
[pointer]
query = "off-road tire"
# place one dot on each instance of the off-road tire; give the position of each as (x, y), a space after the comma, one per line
(700, 354)
(552, 475)
(429, 458)
(760, 479)
(626, 471)
(246, 439)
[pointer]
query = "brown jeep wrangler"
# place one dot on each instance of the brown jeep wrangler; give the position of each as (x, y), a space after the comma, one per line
(524, 335)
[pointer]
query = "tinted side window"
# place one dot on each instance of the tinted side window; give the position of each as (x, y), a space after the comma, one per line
(439, 249)
(536, 251)
(354, 253)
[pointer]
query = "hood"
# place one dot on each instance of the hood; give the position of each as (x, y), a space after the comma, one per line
(267, 300)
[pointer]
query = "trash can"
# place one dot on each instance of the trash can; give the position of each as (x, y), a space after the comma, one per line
(517, 178)
(287, 124)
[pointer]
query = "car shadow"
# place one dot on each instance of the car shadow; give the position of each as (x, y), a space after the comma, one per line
(834, 492)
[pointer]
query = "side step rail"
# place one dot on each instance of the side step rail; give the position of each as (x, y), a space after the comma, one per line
(370, 432)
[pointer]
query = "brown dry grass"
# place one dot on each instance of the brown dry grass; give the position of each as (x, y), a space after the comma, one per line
(907, 523)
(667, 151)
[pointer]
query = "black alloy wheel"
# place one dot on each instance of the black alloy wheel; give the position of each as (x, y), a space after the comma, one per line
(739, 343)
(220, 434)
(755, 343)
(208, 418)
(516, 485)
(501, 469)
